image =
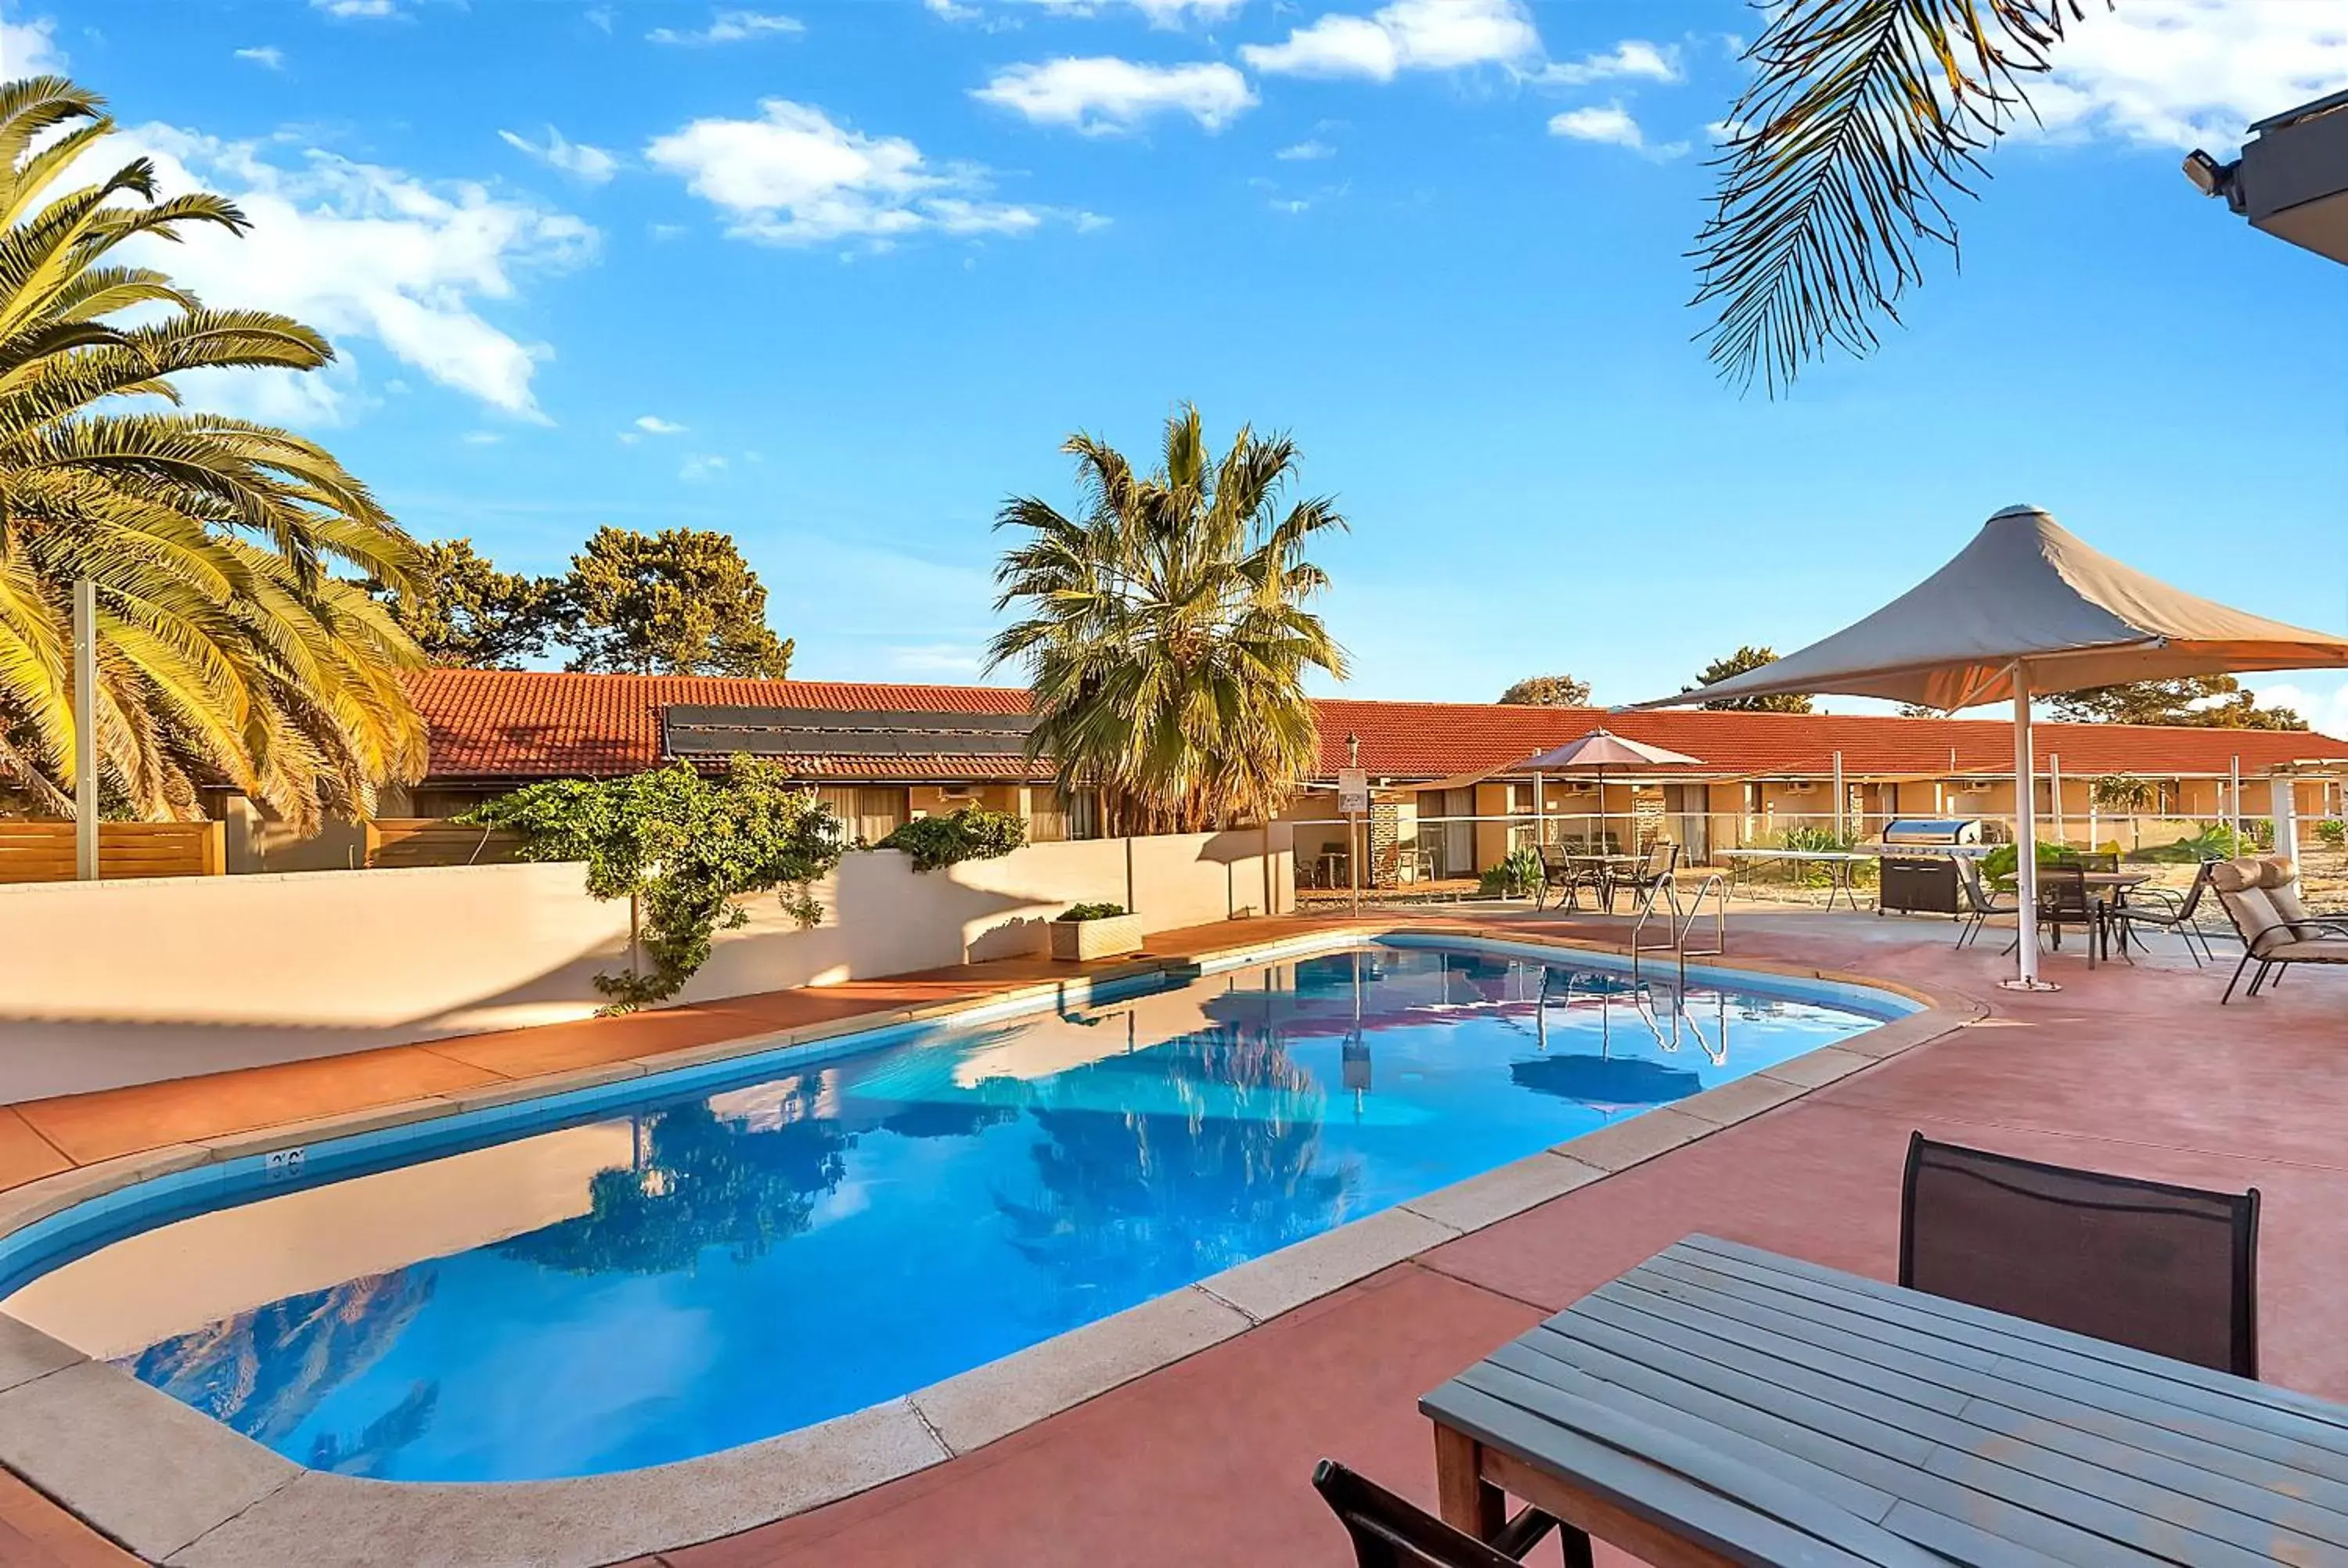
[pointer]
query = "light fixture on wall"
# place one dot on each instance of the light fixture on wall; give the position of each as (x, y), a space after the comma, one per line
(2291, 180)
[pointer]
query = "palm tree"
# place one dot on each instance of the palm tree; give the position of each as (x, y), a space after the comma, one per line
(1165, 634)
(1862, 117)
(230, 653)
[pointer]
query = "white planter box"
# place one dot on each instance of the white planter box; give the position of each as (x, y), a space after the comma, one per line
(1108, 938)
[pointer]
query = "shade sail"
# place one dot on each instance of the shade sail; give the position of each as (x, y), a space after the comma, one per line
(2026, 590)
(1603, 749)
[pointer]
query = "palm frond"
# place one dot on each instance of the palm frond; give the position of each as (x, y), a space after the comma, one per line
(1863, 118)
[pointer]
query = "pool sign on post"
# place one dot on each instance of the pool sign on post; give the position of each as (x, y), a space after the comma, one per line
(1353, 802)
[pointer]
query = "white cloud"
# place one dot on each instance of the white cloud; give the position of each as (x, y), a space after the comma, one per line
(1410, 34)
(269, 56)
(591, 164)
(1105, 94)
(949, 10)
(1160, 13)
(480, 438)
(29, 50)
(1608, 123)
(654, 424)
(793, 177)
(2325, 712)
(600, 17)
(360, 251)
(1630, 57)
(1305, 151)
(700, 469)
(2186, 72)
(367, 9)
(732, 27)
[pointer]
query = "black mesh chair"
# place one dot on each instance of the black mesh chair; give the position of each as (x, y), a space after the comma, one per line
(1391, 1531)
(2063, 901)
(2170, 1270)
(2164, 909)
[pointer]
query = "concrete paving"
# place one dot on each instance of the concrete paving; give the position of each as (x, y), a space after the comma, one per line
(2131, 1069)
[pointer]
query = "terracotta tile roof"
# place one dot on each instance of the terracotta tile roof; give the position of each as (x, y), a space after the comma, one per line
(514, 725)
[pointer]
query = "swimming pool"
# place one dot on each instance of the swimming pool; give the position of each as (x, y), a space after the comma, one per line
(676, 1266)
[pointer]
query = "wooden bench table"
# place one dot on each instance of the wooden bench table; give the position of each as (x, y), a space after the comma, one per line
(1719, 1404)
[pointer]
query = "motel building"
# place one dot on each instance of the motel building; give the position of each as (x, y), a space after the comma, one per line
(1447, 800)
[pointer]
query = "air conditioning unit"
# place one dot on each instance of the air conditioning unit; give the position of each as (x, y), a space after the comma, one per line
(957, 791)
(1802, 787)
(1975, 787)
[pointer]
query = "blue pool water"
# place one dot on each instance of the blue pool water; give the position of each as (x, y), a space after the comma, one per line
(679, 1274)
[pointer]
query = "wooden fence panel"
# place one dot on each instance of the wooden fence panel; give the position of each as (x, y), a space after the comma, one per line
(44, 851)
(398, 841)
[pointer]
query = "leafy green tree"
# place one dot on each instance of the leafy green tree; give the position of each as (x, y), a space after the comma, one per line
(682, 846)
(231, 651)
(2198, 701)
(463, 612)
(1740, 663)
(1548, 692)
(679, 602)
(1163, 630)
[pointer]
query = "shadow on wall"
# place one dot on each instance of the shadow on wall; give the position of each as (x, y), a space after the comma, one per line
(132, 982)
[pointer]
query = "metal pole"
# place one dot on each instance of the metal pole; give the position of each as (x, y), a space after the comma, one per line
(1353, 856)
(1840, 800)
(85, 701)
(1540, 812)
(2234, 802)
(2025, 839)
(2054, 793)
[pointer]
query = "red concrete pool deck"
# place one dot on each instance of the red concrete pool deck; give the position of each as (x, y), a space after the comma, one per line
(2130, 1070)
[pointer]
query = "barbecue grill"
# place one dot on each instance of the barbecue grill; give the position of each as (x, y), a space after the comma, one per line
(1924, 879)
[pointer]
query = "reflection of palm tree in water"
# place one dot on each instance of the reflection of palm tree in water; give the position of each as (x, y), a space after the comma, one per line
(262, 1372)
(1131, 1198)
(702, 1183)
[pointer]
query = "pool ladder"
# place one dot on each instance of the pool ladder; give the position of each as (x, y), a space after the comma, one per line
(1680, 918)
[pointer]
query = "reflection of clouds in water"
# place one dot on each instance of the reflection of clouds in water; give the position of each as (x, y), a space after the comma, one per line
(264, 1372)
(621, 1357)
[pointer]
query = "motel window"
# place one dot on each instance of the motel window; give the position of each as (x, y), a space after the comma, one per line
(871, 815)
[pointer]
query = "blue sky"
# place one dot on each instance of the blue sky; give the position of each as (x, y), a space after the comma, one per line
(839, 276)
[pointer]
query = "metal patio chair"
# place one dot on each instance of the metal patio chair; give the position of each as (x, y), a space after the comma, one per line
(2271, 938)
(1391, 1531)
(2165, 1269)
(2063, 901)
(1979, 901)
(1567, 872)
(1662, 859)
(2164, 909)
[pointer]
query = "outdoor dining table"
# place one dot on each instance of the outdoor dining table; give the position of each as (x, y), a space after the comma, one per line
(1720, 1404)
(1609, 866)
(1839, 864)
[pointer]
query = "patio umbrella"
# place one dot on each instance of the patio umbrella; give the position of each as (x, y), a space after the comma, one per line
(1596, 752)
(2027, 609)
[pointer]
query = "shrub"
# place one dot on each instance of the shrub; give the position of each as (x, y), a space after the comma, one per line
(973, 833)
(1513, 877)
(2211, 841)
(1092, 911)
(2000, 863)
(685, 846)
(2332, 833)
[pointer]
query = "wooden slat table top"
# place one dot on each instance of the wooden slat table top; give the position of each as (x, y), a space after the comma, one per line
(1771, 1412)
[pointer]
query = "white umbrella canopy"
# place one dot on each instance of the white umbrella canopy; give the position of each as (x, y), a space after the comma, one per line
(2027, 607)
(1596, 752)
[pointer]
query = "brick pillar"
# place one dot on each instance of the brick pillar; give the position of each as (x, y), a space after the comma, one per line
(1385, 833)
(1646, 818)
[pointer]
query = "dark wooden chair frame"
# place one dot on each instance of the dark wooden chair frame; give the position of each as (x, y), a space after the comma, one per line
(1391, 1531)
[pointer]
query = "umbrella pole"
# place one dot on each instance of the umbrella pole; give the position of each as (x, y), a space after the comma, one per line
(2025, 839)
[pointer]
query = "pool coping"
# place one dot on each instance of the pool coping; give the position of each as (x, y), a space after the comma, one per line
(179, 1487)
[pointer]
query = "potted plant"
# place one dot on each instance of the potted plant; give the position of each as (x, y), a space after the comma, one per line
(1095, 931)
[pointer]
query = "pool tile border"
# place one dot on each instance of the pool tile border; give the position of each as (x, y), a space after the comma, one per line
(245, 1512)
